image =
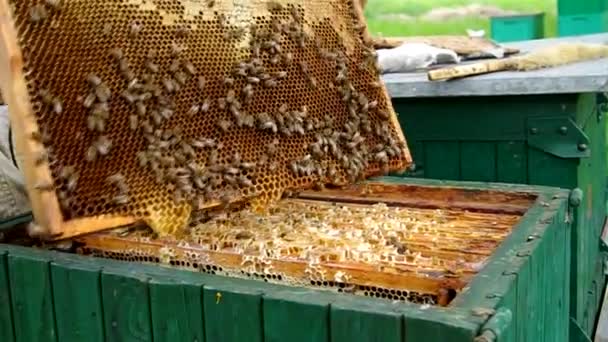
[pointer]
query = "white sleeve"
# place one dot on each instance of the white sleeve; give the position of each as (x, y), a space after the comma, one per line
(13, 196)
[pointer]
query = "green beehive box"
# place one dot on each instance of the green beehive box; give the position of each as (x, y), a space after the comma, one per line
(521, 294)
(510, 28)
(571, 7)
(579, 24)
(493, 139)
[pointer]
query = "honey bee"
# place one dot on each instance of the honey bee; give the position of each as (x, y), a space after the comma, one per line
(182, 31)
(153, 67)
(169, 85)
(142, 158)
(57, 106)
(88, 101)
(189, 67)
(269, 83)
(224, 125)
(38, 13)
(103, 145)
(176, 49)
(253, 80)
(312, 81)
(133, 122)
(103, 93)
(194, 109)
(116, 178)
(41, 157)
(106, 30)
(91, 154)
(230, 180)
(141, 108)
(117, 54)
(221, 103)
(134, 29)
(71, 182)
(174, 66)
(229, 81)
(272, 148)
(121, 199)
(180, 77)
(201, 83)
(204, 108)
(274, 6)
(44, 186)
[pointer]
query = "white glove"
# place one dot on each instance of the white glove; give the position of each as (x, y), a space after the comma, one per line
(409, 57)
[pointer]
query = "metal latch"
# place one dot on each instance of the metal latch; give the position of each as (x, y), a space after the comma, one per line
(559, 136)
(574, 201)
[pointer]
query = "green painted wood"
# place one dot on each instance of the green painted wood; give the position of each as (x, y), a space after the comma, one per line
(478, 161)
(32, 298)
(353, 325)
(511, 162)
(6, 316)
(77, 299)
(442, 160)
(255, 311)
(545, 169)
(505, 121)
(282, 308)
(177, 311)
(419, 329)
(232, 313)
(125, 305)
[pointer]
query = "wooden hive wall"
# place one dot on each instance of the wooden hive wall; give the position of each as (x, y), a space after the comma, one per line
(51, 296)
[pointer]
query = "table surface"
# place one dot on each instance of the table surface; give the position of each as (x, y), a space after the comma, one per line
(582, 77)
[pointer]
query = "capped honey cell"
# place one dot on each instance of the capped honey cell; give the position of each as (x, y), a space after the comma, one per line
(165, 93)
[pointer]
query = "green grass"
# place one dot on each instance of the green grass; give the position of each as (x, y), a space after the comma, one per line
(376, 9)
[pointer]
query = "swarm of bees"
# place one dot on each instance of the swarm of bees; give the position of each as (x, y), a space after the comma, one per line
(183, 124)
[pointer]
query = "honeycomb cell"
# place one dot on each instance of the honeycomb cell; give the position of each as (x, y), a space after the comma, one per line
(300, 75)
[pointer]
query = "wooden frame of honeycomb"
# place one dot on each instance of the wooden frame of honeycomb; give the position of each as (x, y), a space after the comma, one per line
(149, 109)
(412, 243)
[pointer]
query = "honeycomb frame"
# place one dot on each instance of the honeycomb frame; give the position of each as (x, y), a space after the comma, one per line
(34, 73)
(424, 250)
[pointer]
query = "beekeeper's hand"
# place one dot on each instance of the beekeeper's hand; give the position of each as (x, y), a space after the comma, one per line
(410, 57)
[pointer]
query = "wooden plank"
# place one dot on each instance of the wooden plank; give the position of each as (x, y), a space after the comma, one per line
(126, 308)
(425, 197)
(424, 329)
(32, 299)
(523, 279)
(511, 161)
(291, 315)
(478, 161)
(354, 324)
(232, 314)
(442, 160)
(177, 311)
(548, 170)
(6, 316)
(77, 298)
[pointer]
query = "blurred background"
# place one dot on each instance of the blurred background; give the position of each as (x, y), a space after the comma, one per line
(391, 18)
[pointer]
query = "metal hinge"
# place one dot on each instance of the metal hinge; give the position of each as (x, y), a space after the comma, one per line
(495, 326)
(559, 136)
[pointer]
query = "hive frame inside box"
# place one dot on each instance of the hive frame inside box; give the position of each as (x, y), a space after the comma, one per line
(496, 303)
(45, 205)
(438, 289)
